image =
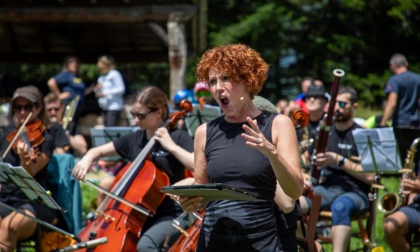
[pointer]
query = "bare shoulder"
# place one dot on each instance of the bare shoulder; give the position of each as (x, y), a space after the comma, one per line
(201, 131)
(282, 120)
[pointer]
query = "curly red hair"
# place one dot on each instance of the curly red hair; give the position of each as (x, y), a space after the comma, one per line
(244, 65)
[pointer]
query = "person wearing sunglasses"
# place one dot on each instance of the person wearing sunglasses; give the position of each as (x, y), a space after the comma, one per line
(343, 190)
(65, 141)
(202, 91)
(13, 226)
(171, 155)
(316, 98)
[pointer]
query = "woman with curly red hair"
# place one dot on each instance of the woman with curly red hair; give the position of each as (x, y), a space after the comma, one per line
(245, 148)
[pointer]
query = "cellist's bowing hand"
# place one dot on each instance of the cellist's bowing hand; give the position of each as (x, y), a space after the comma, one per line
(188, 204)
(81, 168)
(163, 137)
(256, 139)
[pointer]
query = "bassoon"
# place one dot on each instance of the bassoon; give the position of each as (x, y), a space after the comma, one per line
(324, 131)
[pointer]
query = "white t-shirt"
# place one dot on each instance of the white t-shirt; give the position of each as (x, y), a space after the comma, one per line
(113, 89)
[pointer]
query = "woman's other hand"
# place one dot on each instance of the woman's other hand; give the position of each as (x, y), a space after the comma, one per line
(163, 137)
(188, 204)
(99, 95)
(256, 139)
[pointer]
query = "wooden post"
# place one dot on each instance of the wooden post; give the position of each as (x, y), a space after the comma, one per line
(177, 55)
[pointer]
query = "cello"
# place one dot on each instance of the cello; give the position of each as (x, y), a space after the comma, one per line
(118, 218)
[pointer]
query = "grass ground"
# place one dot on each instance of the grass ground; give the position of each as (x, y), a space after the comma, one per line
(391, 183)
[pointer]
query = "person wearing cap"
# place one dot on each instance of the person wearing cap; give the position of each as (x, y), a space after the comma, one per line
(178, 97)
(316, 98)
(202, 91)
(14, 226)
(343, 187)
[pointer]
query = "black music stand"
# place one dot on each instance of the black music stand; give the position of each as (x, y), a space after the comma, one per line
(109, 134)
(35, 193)
(199, 117)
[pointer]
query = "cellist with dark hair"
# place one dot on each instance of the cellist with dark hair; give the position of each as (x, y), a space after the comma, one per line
(171, 155)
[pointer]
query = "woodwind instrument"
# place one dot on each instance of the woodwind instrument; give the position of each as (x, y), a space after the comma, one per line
(69, 112)
(324, 131)
(389, 202)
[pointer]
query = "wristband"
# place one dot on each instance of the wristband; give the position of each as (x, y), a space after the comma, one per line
(341, 162)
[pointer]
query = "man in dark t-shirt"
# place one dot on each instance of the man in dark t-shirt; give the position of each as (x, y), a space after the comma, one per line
(315, 100)
(63, 140)
(403, 89)
(344, 192)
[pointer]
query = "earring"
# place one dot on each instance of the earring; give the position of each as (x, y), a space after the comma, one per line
(248, 88)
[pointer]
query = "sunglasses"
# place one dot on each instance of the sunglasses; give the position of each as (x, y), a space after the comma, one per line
(18, 108)
(55, 109)
(141, 116)
(203, 93)
(316, 97)
(342, 104)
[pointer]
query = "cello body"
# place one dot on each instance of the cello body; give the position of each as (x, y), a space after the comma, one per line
(188, 244)
(120, 223)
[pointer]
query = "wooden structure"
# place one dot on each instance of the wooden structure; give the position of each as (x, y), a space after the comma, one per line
(44, 31)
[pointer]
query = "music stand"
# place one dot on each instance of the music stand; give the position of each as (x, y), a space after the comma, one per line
(109, 134)
(380, 153)
(199, 117)
(35, 193)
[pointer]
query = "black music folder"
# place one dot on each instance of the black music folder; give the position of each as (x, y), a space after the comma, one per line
(211, 192)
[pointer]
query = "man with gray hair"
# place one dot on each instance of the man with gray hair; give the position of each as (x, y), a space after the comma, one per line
(403, 89)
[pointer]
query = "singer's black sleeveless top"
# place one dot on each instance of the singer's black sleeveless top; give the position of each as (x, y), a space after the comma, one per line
(239, 225)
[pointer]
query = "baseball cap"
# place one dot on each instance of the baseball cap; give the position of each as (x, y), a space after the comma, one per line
(30, 93)
(201, 85)
(315, 90)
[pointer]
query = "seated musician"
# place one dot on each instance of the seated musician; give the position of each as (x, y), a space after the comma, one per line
(171, 155)
(344, 192)
(14, 226)
(404, 221)
(63, 139)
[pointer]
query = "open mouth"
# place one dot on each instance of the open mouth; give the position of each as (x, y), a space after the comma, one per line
(224, 101)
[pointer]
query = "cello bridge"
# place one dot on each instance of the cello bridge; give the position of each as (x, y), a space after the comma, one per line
(104, 215)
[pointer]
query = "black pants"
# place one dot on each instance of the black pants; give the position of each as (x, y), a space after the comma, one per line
(153, 238)
(111, 117)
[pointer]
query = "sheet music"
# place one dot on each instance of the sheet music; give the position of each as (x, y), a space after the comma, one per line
(28, 184)
(384, 149)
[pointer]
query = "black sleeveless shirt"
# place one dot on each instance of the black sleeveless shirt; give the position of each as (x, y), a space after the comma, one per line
(234, 163)
(239, 225)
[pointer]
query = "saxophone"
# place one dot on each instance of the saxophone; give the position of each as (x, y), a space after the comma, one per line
(389, 202)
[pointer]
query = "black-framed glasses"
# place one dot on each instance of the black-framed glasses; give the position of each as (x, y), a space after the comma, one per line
(18, 108)
(141, 116)
(55, 109)
(342, 104)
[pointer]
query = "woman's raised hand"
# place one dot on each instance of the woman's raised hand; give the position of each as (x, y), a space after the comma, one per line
(256, 139)
(188, 204)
